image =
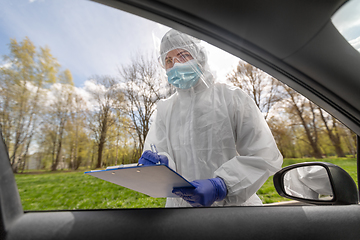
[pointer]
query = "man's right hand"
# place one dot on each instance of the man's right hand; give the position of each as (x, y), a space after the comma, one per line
(149, 158)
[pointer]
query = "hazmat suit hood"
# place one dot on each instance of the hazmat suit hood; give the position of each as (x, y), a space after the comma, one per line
(174, 39)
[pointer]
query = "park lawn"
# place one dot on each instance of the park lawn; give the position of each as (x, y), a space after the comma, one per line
(75, 190)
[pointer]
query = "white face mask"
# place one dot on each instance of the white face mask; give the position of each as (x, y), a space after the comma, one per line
(184, 75)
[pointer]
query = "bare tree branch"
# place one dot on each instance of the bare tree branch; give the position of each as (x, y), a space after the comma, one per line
(143, 89)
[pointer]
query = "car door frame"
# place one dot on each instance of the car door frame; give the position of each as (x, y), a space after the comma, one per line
(278, 222)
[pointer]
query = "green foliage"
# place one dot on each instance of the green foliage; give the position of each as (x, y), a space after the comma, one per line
(25, 80)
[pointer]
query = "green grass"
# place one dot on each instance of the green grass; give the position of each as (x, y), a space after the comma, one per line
(75, 190)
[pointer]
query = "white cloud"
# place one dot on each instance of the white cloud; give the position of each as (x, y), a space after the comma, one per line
(347, 18)
(6, 65)
(355, 43)
(220, 62)
(57, 89)
(92, 86)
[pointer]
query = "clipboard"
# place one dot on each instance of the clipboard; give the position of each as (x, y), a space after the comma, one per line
(156, 181)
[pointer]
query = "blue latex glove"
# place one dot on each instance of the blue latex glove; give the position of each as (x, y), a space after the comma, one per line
(151, 158)
(205, 193)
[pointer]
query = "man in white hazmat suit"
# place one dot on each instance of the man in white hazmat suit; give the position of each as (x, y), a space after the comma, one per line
(211, 133)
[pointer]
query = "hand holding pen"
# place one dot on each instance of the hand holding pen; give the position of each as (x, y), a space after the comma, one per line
(153, 148)
(152, 157)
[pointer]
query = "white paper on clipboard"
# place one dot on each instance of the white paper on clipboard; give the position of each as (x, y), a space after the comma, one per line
(156, 181)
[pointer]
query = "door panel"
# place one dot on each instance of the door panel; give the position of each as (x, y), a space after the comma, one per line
(291, 222)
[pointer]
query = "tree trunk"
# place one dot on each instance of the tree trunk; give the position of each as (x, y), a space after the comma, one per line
(313, 143)
(58, 152)
(337, 142)
(93, 155)
(78, 162)
(335, 138)
(312, 137)
(339, 151)
(316, 151)
(100, 151)
(55, 164)
(102, 139)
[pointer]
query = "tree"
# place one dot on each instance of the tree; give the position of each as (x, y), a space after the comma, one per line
(78, 141)
(57, 117)
(143, 89)
(263, 89)
(24, 77)
(350, 139)
(108, 99)
(331, 126)
(302, 112)
(6, 105)
(284, 136)
(120, 138)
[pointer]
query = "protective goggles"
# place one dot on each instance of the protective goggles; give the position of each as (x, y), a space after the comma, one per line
(180, 56)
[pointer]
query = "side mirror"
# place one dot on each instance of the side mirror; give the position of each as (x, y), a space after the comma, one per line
(316, 183)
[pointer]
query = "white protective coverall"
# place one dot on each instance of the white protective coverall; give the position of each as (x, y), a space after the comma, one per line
(214, 130)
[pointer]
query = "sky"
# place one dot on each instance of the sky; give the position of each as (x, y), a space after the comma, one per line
(92, 39)
(347, 21)
(89, 38)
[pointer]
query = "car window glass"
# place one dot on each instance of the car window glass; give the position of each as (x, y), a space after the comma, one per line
(65, 69)
(347, 21)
